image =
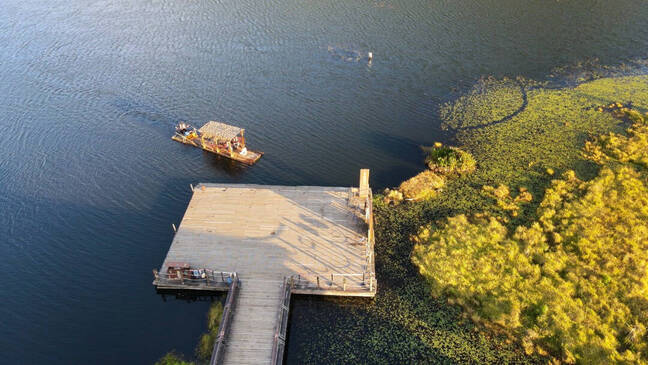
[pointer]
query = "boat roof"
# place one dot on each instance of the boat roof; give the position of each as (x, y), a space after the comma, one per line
(220, 130)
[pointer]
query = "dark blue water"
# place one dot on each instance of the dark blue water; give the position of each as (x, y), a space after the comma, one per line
(90, 90)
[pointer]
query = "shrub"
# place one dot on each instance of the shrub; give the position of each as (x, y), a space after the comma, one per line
(392, 196)
(423, 186)
(571, 283)
(450, 160)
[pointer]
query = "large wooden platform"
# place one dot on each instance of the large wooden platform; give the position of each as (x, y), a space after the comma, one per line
(319, 237)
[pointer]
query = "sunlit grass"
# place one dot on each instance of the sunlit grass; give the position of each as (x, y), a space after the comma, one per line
(517, 143)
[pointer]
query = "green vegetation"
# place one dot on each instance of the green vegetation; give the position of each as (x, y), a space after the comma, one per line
(450, 160)
(206, 343)
(572, 283)
(489, 101)
(568, 277)
(207, 340)
(423, 186)
(444, 163)
(523, 136)
(172, 358)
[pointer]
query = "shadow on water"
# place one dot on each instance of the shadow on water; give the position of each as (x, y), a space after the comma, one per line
(227, 165)
(402, 149)
(97, 260)
(191, 295)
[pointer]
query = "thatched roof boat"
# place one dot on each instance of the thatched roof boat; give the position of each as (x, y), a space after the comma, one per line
(220, 138)
(220, 130)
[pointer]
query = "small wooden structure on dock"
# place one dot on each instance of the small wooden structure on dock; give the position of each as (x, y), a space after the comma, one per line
(272, 242)
(219, 138)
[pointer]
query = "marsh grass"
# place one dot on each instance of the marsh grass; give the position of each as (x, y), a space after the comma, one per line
(425, 185)
(574, 261)
(405, 324)
(207, 340)
(547, 135)
(205, 344)
(532, 147)
(173, 358)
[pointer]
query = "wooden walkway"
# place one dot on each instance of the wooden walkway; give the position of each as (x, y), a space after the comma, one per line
(252, 333)
(319, 238)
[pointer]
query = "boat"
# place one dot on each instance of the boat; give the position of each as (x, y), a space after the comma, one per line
(219, 138)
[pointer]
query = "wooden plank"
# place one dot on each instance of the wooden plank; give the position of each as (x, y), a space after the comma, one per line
(292, 236)
(317, 235)
(252, 328)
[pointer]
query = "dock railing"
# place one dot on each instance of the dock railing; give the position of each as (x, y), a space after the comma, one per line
(349, 282)
(212, 280)
(368, 275)
(369, 250)
(225, 323)
(281, 325)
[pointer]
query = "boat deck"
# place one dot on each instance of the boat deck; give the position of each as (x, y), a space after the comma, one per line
(250, 158)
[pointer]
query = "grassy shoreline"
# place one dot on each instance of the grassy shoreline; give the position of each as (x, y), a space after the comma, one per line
(405, 323)
(523, 137)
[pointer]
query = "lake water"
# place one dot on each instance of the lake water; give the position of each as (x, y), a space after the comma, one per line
(90, 181)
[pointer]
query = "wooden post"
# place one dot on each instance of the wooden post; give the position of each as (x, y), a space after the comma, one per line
(191, 186)
(370, 284)
(174, 227)
(344, 283)
(363, 190)
(243, 137)
(222, 276)
(318, 282)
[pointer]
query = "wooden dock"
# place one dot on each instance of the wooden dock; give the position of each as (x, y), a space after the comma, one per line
(278, 241)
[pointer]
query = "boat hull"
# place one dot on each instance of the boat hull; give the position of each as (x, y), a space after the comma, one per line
(250, 158)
